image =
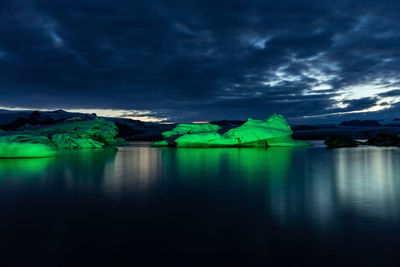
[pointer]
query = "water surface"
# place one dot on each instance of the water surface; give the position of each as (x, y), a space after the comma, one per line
(222, 206)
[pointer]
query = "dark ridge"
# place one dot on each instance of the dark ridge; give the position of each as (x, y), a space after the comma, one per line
(336, 142)
(304, 127)
(392, 124)
(227, 122)
(360, 123)
(153, 138)
(125, 130)
(35, 118)
(384, 139)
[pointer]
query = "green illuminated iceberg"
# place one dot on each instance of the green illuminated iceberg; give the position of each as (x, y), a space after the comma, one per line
(45, 141)
(25, 146)
(185, 128)
(273, 131)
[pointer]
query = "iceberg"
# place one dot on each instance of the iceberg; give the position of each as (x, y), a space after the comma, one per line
(44, 141)
(25, 146)
(185, 128)
(273, 131)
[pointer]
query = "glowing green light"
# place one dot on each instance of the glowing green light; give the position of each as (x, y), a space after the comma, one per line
(185, 128)
(25, 146)
(253, 164)
(24, 167)
(25, 150)
(45, 142)
(273, 131)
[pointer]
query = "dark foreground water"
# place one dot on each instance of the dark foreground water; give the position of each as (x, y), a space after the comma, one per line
(247, 206)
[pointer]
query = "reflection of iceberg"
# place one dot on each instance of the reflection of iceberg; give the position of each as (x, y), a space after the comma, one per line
(84, 170)
(74, 170)
(23, 167)
(273, 131)
(215, 163)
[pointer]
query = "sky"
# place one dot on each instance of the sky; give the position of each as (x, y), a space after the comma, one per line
(202, 60)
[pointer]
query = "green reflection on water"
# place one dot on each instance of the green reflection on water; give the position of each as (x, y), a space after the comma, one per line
(87, 158)
(364, 180)
(85, 168)
(24, 167)
(85, 164)
(249, 164)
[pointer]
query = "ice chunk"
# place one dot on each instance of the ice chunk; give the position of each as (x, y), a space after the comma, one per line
(273, 131)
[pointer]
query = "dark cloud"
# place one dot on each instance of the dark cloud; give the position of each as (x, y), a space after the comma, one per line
(360, 104)
(199, 60)
(391, 93)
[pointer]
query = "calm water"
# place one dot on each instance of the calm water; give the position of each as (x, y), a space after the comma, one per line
(252, 206)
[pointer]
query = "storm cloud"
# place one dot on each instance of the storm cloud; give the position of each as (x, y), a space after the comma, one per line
(201, 60)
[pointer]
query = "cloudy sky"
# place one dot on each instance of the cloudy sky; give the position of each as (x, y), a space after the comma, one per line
(201, 60)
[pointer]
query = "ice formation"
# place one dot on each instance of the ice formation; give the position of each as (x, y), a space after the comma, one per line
(45, 141)
(273, 131)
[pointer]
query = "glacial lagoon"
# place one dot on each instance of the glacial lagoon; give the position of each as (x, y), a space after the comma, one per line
(199, 206)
